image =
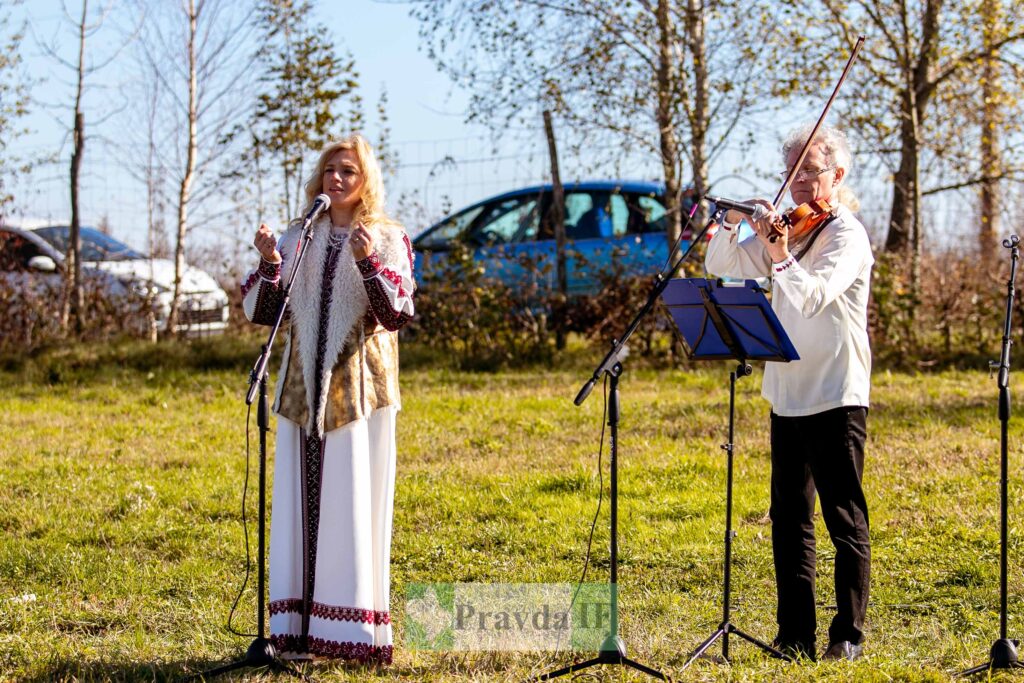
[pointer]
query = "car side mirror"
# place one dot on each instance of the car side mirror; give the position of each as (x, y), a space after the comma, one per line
(42, 263)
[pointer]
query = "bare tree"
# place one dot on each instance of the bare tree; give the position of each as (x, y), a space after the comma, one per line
(73, 300)
(203, 98)
(1001, 78)
(74, 297)
(14, 101)
(906, 100)
(660, 78)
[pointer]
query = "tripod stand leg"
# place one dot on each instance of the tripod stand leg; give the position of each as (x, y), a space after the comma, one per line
(568, 669)
(1002, 656)
(764, 646)
(702, 648)
(260, 654)
(645, 669)
(977, 670)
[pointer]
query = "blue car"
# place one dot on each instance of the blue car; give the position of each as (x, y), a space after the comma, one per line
(608, 224)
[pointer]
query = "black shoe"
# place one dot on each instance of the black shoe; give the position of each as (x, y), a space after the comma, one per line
(794, 649)
(843, 649)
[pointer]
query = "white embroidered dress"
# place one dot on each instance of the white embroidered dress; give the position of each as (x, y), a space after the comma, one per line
(333, 492)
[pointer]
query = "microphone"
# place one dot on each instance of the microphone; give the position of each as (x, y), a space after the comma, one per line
(320, 204)
(755, 211)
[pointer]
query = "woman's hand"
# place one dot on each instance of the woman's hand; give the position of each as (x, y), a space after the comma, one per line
(266, 244)
(362, 242)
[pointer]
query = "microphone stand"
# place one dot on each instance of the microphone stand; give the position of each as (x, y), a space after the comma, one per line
(1003, 654)
(613, 649)
(261, 652)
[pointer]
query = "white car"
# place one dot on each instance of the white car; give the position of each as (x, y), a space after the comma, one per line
(118, 271)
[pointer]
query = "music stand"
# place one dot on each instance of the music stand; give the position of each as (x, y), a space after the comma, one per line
(728, 322)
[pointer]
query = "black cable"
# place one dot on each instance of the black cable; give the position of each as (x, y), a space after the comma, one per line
(600, 497)
(245, 530)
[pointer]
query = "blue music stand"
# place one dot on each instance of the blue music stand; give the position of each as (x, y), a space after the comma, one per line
(727, 321)
(722, 322)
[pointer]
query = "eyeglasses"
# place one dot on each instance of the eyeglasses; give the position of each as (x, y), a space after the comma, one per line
(807, 173)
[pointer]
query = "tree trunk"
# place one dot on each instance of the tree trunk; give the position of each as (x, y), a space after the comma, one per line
(151, 191)
(558, 219)
(76, 297)
(918, 88)
(991, 162)
(901, 214)
(257, 145)
(699, 124)
(287, 191)
(73, 307)
(666, 125)
(190, 167)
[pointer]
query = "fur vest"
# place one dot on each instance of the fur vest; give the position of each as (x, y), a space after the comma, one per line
(360, 370)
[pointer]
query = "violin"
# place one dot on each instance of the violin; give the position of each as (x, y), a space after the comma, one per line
(802, 219)
(808, 216)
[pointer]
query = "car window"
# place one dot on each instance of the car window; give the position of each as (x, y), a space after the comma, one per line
(451, 229)
(95, 245)
(597, 214)
(620, 215)
(511, 220)
(652, 214)
(576, 204)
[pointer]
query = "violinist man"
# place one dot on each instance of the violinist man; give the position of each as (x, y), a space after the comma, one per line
(819, 403)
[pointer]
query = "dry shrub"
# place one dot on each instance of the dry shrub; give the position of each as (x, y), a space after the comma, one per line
(954, 317)
(31, 313)
(477, 320)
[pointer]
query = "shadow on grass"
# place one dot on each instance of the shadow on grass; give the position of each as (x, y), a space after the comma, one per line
(116, 671)
(65, 670)
(86, 362)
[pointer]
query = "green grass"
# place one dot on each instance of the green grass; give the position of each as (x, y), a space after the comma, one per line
(121, 472)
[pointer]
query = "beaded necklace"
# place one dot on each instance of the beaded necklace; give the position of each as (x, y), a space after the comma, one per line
(336, 239)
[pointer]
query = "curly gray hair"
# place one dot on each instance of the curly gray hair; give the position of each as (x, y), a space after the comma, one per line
(832, 140)
(837, 152)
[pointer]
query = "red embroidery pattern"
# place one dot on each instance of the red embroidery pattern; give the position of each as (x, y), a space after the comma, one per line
(268, 302)
(250, 281)
(270, 271)
(380, 305)
(395, 279)
(332, 612)
(282, 606)
(269, 294)
(369, 266)
(335, 613)
(779, 267)
(321, 647)
(408, 248)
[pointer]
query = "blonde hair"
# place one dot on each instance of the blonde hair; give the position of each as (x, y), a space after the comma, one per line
(370, 210)
(837, 151)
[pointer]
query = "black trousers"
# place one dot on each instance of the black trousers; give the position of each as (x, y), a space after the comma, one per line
(823, 452)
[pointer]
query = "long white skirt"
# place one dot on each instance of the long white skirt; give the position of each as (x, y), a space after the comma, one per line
(349, 614)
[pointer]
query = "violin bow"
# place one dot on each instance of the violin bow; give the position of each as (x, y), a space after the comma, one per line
(817, 126)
